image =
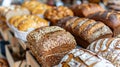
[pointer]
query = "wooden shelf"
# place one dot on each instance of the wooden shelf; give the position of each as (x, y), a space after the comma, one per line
(31, 62)
(23, 44)
(11, 61)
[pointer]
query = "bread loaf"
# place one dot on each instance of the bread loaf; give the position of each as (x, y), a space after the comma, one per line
(83, 58)
(50, 44)
(85, 30)
(110, 18)
(84, 10)
(113, 4)
(57, 13)
(108, 48)
(25, 22)
(36, 7)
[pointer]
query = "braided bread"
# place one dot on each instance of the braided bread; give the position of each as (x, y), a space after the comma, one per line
(83, 58)
(108, 48)
(110, 18)
(85, 30)
(50, 44)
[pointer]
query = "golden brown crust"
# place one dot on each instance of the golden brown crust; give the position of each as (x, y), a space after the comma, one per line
(57, 13)
(36, 7)
(25, 22)
(85, 10)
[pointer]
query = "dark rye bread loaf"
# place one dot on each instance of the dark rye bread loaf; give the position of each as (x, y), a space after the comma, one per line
(83, 58)
(50, 44)
(85, 30)
(84, 10)
(110, 18)
(108, 48)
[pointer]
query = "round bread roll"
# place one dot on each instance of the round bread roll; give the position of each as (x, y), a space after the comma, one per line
(57, 13)
(83, 58)
(108, 48)
(3, 63)
(50, 44)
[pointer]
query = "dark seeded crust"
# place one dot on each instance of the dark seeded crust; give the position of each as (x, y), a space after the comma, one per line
(52, 46)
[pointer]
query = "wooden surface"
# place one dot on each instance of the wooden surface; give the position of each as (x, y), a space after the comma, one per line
(23, 44)
(31, 62)
(11, 61)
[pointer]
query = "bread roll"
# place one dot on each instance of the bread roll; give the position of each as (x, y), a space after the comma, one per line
(57, 13)
(50, 44)
(83, 58)
(25, 22)
(110, 18)
(108, 48)
(85, 30)
(84, 10)
(3, 63)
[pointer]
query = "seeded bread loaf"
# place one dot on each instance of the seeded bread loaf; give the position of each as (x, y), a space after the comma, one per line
(108, 48)
(84, 10)
(83, 58)
(85, 30)
(110, 18)
(50, 44)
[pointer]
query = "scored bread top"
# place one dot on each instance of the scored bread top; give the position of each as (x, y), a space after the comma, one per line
(85, 28)
(109, 48)
(83, 58)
